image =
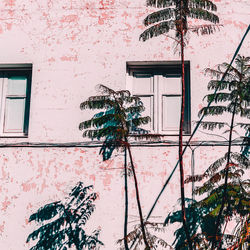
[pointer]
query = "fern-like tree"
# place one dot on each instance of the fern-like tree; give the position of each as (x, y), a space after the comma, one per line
(134, 237)
(174, 15)
(120, 115)
(63, 222)
(227, 192)
(195, 215)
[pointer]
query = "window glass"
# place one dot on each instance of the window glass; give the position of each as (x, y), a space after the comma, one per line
(171, 110)
(14, 115)
(17, 85)
(143, 84)
(170, 85)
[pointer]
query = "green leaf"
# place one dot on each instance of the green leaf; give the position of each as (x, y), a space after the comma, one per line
(160, 3)
(241, 159)
(156, 30)
(47, 212)
(202, 4)
(199, 13)
(214, 84)
(67, 229)
(215, 211)
(47, 229)
(212, 125)
(219, 97)
(162, 15)
(213, 110)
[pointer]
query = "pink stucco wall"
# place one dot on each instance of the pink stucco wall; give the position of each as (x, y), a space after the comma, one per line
(74, 45)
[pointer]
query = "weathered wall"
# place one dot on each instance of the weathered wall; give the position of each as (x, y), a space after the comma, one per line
(73, 46)
(32, 177)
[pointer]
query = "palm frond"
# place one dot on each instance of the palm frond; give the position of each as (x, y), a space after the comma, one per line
(99, 122)
(48, 229)
(160, 3)
(100, 102)
(205, 29)
(234, 174)
(235, 71)
(219, 85)
(219, 97)
(105, 90)
(104, 132)
(213, 110)
(241, 159)
(244, 125)
(205, 188)
(213, 125)
(237, 202)
(133, 110)
(199, 13)
(161, 15)
(194, 178)
(157, 29)
(47, 212)
(242, 61)
(218, 73)
(54, 241)
(140, 121)
(215, 166)
(202, 4)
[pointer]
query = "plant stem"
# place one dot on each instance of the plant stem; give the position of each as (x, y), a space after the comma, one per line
(126, 200)
(184, 219)
(224, 197)
(138, 199)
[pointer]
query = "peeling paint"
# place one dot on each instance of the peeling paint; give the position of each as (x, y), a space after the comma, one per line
(73, 46)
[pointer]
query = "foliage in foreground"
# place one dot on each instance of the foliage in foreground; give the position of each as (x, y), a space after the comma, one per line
(225, 186)
(120, 116)
(63, 222)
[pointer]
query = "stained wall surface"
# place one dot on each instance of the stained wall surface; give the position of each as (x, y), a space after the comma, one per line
(74, 45)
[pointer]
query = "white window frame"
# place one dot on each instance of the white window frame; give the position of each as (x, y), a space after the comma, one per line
(159, 69)
(8, 71)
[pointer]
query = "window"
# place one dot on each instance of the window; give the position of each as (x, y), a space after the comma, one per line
(15, 86)
(159, 87)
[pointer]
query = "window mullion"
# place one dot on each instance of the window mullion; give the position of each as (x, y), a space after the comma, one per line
(156, 103)
(3, 103)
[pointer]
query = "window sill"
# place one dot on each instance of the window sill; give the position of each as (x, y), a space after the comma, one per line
(17, 135)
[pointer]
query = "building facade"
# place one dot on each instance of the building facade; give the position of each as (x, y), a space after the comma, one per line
(53, 54)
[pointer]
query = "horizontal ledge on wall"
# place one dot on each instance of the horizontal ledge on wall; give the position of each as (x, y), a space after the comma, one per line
(168, 143)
